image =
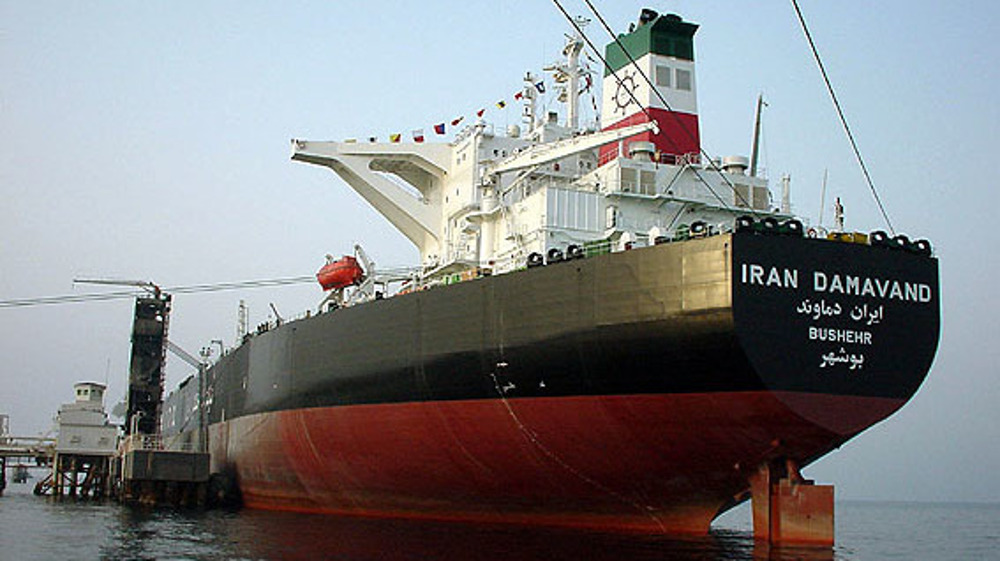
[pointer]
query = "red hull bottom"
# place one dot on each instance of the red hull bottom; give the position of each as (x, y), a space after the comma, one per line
(646, 463)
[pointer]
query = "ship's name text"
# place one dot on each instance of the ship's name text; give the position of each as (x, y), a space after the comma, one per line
(836, 283)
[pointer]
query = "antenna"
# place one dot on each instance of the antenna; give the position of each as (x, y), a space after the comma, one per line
(786, 193)
(242, 321)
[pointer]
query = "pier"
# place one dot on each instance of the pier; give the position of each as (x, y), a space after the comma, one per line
(91, 461)
(25, 450)
(81, 458)
(150, 473)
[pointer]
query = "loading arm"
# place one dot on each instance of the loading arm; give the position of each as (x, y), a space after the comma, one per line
(184, 355)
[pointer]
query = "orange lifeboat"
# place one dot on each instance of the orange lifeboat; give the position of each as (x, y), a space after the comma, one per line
(340, 273)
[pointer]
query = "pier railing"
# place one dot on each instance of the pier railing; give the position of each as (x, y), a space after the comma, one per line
(157, 442)
(142, 442)
(27, 446)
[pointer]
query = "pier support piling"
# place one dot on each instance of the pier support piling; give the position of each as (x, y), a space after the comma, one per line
(80, 475)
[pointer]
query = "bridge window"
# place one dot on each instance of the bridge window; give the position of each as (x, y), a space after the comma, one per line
(684, 80)
(663, 76)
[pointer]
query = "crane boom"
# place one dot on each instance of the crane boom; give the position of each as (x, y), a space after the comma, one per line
(148, 285)
(543, 154)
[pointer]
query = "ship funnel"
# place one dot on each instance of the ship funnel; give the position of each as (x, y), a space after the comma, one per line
(662, 49)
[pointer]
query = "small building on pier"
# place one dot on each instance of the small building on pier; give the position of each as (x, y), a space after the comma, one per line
(84, 448)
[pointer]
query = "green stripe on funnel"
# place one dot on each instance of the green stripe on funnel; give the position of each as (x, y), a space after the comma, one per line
(667, 35)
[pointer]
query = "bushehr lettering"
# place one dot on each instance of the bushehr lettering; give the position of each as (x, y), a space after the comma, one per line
(833, 283)
(760, 275)
(834, 335)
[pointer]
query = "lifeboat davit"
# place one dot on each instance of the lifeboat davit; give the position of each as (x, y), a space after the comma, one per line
(340, 273)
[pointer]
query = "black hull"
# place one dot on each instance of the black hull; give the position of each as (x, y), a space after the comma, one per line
(667, 319)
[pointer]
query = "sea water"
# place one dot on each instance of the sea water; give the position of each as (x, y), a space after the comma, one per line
(39, 528)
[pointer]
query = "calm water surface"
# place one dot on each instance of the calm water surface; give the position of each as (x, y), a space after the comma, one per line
(36, 528)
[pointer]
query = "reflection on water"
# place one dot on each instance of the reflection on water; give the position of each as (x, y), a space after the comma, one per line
(139, 534)
(37, 528)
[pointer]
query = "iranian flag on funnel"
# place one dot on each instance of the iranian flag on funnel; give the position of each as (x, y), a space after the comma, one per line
(663, 48)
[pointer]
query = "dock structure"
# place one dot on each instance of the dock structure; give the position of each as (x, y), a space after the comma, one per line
(90, 460)
(81, 463)
(147, 472)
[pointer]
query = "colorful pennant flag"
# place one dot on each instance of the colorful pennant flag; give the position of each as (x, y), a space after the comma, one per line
(441, 128)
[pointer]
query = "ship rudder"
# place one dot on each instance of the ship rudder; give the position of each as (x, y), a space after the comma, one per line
(790, 510)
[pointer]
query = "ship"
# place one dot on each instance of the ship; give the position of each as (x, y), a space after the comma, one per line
(608, 329)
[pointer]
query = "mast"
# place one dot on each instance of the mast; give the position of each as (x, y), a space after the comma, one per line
(530, 94)
(572, 53)
(567, 74)
(754, 150)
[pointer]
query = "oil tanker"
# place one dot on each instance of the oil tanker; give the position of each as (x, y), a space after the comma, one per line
(607, 329)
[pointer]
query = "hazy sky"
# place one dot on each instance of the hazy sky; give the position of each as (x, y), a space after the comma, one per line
(150, 140)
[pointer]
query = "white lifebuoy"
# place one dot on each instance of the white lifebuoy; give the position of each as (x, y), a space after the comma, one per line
(812, 232)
